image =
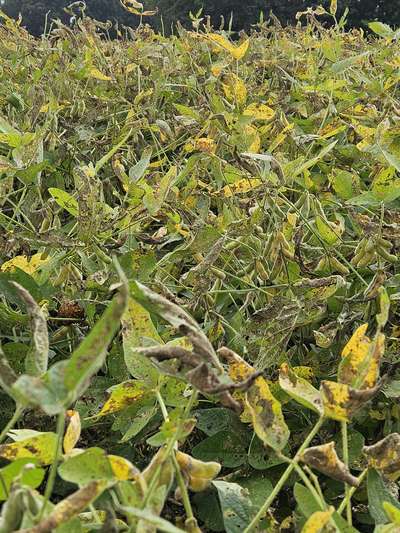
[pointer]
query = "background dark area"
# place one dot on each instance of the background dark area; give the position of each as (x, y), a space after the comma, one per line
(244, 12)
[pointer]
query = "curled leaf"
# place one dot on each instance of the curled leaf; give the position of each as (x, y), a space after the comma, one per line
(198, 473)
(236, 51)
(73, 431)
(324, 458)
(341, 401)
(384, 456)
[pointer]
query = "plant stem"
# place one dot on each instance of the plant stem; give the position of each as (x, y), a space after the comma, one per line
(310, 486)
(266, 505)
(53, 469)
(345, 446)
(16, 416)
(350, 493)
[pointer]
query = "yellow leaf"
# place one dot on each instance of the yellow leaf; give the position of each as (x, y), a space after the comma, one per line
(96, 74)
(385, 456)
(241, 186)
(333, 7)
(259, 111)
(341, 401)
(41, 446)
(317, 521)
(122, 468)
(23, 263)
(73, 431)
(234, 89)
(252, 138)
(236, 51)
(361, 359)
(123, 395)
(199, 473)
(206, 145)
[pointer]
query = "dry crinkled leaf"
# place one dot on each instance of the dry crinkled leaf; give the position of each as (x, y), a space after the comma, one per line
(341, 401)
(359, 367)
(385, 456)
(324, 458)
(234, 89)
(198, 473)
(123, 395)
(73, 431)
(317, 521)
(300, 389)
(41, 446)
(70, 507)
(259, 111)
(236, 51)
(206, 145)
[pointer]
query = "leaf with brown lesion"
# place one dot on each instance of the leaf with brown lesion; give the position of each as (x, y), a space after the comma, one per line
(384, 456)
(324, 458)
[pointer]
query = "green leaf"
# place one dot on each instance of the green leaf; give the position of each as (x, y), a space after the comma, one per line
(65, 200)
(90, 355)
(31, 476)
(237, 510)
(224, 447)
(300, 389)
(377, 494)
(308, 505)
(137, 171)
(386, 185)
(145, 515)
(381, 29)
(90, 465)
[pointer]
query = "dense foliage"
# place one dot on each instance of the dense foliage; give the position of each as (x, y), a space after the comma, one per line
(199, 280)
(241, 13)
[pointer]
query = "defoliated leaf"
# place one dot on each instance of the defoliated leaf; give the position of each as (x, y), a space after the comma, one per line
(71, 506)
(38, 356)
(317, 521)
(73, 431)
(384, 456)
(136, 327)
(40, 446)
(359, 367)
(235, 506)
(236, 51)
(89, 357)
(65, 200)
(123, 395)
(324, 458)
(90, 465)
(300, 389)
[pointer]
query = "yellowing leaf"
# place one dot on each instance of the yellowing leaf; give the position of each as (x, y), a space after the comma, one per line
(252, 138)
(341, 401)
(41, 446)
(199, 473)
(241, 186)
(234, 89)
(385, 456)
(206, 145)
(122, 468)
(359, 367)
(98, 75)
(122, 395)
(259, 111)
(317, 521)
(30, 266)
(236, 51)
(73, 431)
(300, 389)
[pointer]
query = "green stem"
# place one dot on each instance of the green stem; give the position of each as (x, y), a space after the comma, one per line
(310, 486)
(266, 505)
(345, 447)
(350, 493)
(16, 416)
(53, 469)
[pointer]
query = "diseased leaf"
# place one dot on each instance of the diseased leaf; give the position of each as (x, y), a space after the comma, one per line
(122, 468)
(65, 200)
(40, 446)
(300, 389)
(324, 458)
(235, 505)
(378, 493)
(73, 431)
(90, 465)
(236, 51)
(384, 456)
(317, 521)
(123, 395)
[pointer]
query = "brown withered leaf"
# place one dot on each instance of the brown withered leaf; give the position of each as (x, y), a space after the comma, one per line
(384, 456)
(324, 458)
